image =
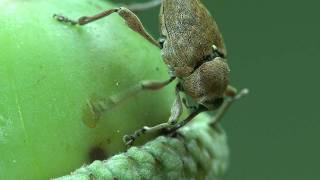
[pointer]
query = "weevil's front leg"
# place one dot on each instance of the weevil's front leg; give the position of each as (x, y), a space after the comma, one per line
(192, 115)
(102, 106)
(231, 92)
(233, 96)
(185, 103)
(176, 111)
(131, 19)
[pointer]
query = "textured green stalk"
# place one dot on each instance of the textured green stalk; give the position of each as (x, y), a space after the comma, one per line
(197, 152)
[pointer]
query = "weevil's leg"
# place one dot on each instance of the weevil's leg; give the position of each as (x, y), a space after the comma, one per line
(233, 96)
(176, 111)
(188, 119)
(231, 92)
(144, 6)
(65, 19)
(102, 106)
(131, 20)
(185, 103)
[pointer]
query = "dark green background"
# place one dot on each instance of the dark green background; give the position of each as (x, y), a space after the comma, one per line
(273, 49)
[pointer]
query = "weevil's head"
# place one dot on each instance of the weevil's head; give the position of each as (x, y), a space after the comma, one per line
(207, 84)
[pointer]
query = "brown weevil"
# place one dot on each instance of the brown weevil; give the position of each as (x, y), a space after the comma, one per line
(192, 47)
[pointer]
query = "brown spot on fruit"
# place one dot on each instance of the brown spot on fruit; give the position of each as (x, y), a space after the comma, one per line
(97, 153)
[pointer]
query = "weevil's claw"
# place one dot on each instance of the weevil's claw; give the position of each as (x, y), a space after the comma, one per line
(64, 19)
(128, 140)
(58, 17)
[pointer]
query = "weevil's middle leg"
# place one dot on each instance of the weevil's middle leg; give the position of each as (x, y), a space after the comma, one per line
(176, 111)
(131, 19)
(102, 106)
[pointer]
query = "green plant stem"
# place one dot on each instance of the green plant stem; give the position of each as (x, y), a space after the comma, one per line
(196, 152)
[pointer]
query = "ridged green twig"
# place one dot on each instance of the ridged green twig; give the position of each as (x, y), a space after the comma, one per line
(197, 152)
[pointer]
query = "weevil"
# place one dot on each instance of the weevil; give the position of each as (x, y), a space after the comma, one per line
(193, 49)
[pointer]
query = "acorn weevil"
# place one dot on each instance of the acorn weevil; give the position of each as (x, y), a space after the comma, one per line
(193, 49)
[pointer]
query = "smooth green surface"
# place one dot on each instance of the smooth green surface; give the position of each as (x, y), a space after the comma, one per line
(274, 49)
(48, 72)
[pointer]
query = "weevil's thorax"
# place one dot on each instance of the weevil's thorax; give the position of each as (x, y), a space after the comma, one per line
(189, 31)
(207, 84)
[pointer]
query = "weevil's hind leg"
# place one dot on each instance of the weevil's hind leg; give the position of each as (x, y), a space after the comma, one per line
(176, 111)
(102, 106)
(131, 19)
(144, 6)
(233, 96)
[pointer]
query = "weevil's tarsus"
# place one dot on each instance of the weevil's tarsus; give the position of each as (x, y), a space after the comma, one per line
(227, 103)
(131, 20)
(176, 111)
(129, 139)
(64, 19)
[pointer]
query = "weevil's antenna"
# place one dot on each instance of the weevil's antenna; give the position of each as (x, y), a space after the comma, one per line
(226, 105)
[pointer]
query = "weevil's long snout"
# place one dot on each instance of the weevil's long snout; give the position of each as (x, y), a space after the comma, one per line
(208, 83)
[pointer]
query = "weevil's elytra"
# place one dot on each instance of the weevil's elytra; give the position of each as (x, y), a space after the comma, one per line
(192, 47)
(190, 32)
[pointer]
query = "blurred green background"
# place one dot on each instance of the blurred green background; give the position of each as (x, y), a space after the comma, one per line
(273, 49)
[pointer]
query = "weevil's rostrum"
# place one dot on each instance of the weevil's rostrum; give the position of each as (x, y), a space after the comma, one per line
(192, 47)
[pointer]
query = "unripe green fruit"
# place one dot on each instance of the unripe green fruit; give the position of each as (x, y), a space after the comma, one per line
(48, 73)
